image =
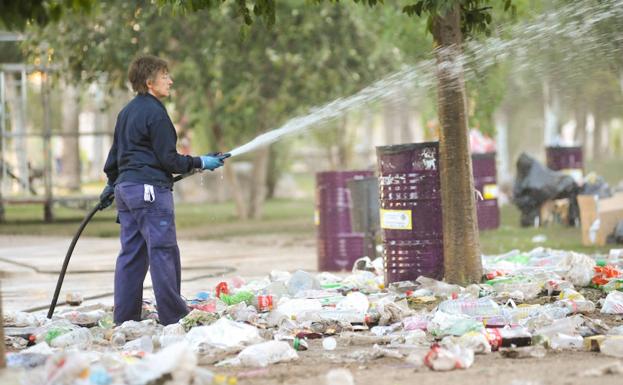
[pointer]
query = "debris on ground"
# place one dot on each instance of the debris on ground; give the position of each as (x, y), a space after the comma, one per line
(530, 303)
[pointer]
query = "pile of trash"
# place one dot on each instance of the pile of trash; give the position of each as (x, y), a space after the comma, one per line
(530, 303)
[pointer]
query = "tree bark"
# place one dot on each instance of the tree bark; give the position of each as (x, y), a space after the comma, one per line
(462, 260)
(70, 157)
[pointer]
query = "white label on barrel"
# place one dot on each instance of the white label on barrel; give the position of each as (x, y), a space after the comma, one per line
(316, 217)
(490, 191)
(396, 219)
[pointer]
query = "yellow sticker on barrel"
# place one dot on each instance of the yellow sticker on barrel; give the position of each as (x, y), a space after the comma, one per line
(396, 219)
(316, 217)
(490, 191)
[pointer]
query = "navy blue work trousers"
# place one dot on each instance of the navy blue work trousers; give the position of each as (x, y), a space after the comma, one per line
(148, 241)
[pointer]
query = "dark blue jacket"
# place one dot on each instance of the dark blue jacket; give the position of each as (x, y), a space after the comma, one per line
(143, 149)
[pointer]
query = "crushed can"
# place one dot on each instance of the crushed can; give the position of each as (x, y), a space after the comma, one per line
(264, 303)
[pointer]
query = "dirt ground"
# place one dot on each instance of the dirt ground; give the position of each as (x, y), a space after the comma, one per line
(254, 257)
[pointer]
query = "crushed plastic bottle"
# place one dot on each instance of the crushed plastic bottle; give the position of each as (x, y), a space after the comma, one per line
(562, 341)
(301, 281)
(483, 309)
(80, 338)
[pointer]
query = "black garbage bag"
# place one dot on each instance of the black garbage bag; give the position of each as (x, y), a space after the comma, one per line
(536, 184)
(595, 185)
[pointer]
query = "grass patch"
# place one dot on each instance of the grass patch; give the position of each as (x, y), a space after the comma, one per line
(281, 216)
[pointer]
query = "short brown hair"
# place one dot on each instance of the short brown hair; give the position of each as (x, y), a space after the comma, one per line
(144, 68)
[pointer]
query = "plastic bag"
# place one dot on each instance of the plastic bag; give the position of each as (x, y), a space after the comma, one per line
(535, 184)
(265, 353)
(177, 361)
(577, 268)
(613, 304)
(224, 333)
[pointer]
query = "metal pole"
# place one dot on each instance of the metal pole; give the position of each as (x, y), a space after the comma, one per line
(2, 152)
(47, 147)
(2, 354)
(23, 149)
(2, 127)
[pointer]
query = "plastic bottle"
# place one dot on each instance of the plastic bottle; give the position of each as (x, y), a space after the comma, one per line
(53, 333)
(574, 307)
(143, 344)
(106, 322)
(300, 281)
(565, 341)
(612, 346)
(481, 308)
(241, 296)
(81, 338)
(508, 337)
(117, 339)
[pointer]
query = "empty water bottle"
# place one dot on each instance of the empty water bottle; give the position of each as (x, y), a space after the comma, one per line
(301, 281)
(481, 308)
(80, 338)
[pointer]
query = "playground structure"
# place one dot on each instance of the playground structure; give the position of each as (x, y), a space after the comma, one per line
(28, 177)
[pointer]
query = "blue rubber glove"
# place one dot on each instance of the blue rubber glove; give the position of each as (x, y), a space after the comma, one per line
(107, 196)
(211, 161)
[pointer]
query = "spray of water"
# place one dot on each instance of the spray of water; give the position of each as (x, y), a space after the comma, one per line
(575, 24)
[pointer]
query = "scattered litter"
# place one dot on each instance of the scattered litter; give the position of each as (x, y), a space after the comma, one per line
(530, 303)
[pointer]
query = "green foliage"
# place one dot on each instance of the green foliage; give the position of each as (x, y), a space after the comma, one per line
(17, 14)
(475, 14)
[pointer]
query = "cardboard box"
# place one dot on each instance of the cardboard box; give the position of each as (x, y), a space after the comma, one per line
(599, 217)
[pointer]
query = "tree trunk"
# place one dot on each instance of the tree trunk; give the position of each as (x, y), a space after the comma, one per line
(390, 122)
(551, 109)
(404, 107)
(597, 135)
(580, 122)
(273, 172)
(344, 144)
(501, 144)
(258, 186)
(242, 208)
(460, 232)
(70, 157)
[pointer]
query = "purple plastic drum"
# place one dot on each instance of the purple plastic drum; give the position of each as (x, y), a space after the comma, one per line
(411, 221)
(566, 159)
(338, 246)
(485, 181)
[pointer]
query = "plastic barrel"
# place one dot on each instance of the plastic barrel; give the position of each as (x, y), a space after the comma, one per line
(485, 181)
(364, 213)
(338, 245)
(410, 215)
(566, 159)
